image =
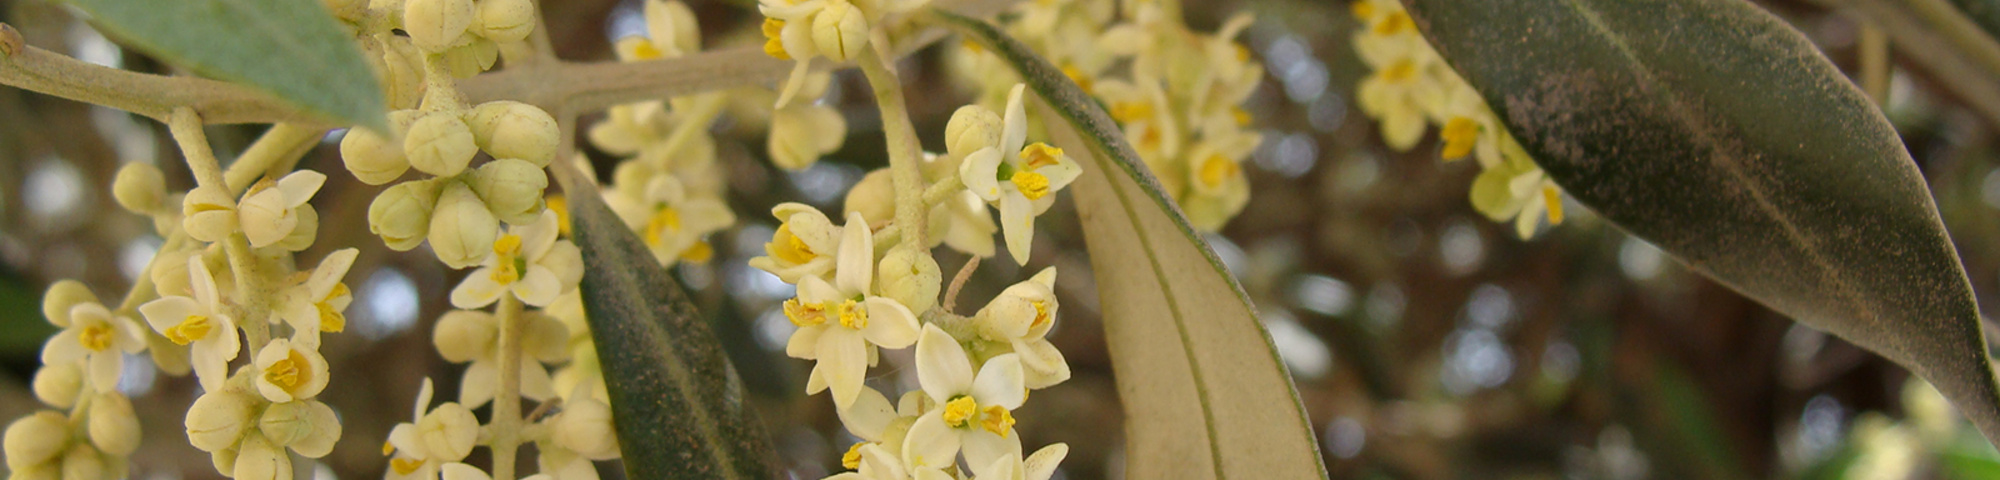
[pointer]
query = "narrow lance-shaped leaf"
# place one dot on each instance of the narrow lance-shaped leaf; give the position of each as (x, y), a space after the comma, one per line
(292, 48)
(1714, 130)
(680, 409)
(1205, 393)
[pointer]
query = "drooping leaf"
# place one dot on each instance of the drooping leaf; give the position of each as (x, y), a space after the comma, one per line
(1205, 393)
(1715, 131)
(680, 408)
(293, 48)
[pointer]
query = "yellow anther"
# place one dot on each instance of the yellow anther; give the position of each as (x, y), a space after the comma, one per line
(1041, 155)
(1242, 54)
(959, 410)
(851, 314)
(804, 314)
(700, 252)
(1042, 315)
(997, 420)
(195, 327)
(559, 204)
(331, 320)
(973, 47)
(646, 51)
(405, 466)
(506, 270)
(1402, 71)
(508, 244)
(97, 338)
(1217, 169)
(852, 459)
(388, 448)
(1362, 9)
(1396, 22)
(1076, 75)
(290, 372)
(1032, 185)
(1241, 116)
(774, 44)
(1460, 135)
(1128, 112)
(1553, 198)
(665, 220)
(788, 247)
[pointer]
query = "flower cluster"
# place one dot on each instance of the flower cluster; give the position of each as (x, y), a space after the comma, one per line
(1176, 93)
(1411, 88)
(80, 368)
(839, 30)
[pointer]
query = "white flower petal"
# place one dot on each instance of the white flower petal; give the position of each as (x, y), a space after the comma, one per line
(980, 172)
(1042, 463)
(869, 415)
(168, 312)
(999, 382)
(104, 369)
(930, 443)
(1015, 130)
(299, 186)
(481, 380)
(1017, 221)
(855, 270)
(843, 362)
(983, 447)
(202, 284)
(477, 290)
(804, 343)
(538, 287)
(942, 367)
(890, 324)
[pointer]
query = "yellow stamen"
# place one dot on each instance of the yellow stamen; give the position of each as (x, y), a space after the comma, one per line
(973, 47)
(504, 270)
(804, 314)
(1041, 155)
(560, 205)
(997, 420)
(852, 459)
(1241, 116)
(1042, 315)
(290, 372)
(665, 220)
(405, 466)
(1217, 169)
(646, 51)
(388, 448)
(1553, 198)
(1396, 22)
(851, 314)
(701, 252)
(959, 410)
(1242, 54)
(788, 247)
(1402, 71)
(1032, 185)
(1129, 112)
(1150, 139)
(1362, 9)
(331, 320)
(1460, 134)
(97, 338)
(195, 327)
(1076, 75)
(774, 45)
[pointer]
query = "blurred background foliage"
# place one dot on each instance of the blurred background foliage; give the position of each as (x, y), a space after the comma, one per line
(1426, 341)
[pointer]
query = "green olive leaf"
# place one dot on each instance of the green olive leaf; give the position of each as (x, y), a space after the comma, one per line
(681, 409)
(1205, 393)
(294, 49)
(1717, 132)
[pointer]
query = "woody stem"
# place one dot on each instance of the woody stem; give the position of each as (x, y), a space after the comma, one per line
(506, 423)
(905, 153)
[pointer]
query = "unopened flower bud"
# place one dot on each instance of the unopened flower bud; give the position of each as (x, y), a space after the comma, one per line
(464, 335)
(308, 427)
(466, 60)
(506, 20)
(439, 143)
(219, 418)
(449, 431)
(304, 232)
(511, 188)
(509, 129)
(840, 31)
(114, 428)
(971, 128)
(139, 187)
(35, 439)
(46, 471)
(208, 214)
(82, 462)
(403, 72)
(376, 158)
(671, 23)
(259, 459)
(401, 215)
(910, 276)
(57, 384)
(545, 338)
(873, 197)
(585, 428)
(462, 229)
(436, 25)
(62, 296)
(800, 134)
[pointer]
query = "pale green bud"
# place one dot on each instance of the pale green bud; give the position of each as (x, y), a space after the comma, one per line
(800, 134)
(873, 197)
(259, 459)
(304, 232)
(971, 128)
(439, 144)
(219, 418)
(403, 72)
(35, 439)
(506, 20)
(376, 159)
(464, 335)
(83, 463)
(401, 215)
(58, 384)
(910, 276)
(46, 471)
(840, 31)
(139, 187)
(509, 129)
(466, 60)
(462, 229)
(436, 25)
(62, 296)
(114, 428)
(224, 460)
(208, 214)
(585, 428)
(308, 427)
(511, 188)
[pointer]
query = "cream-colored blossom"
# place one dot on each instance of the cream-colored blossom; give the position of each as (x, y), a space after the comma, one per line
(527, 261)
(269, 211)
(841, 323)
(199, 321)
(288, 371)
(1021, 317)
(804, 245)
(97, 338)
(1021, 181)
(438, 437)
(974, 412)
(468, 336)
(316, 303)
(670, 221)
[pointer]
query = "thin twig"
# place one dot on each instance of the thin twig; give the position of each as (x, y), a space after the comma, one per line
(1875, 63)
(507, 402)
(958, 282)
(1966, 74)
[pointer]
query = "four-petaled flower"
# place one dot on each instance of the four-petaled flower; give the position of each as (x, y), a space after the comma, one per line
(316, 302)
(974, 411)
(200, 322)
(98, 338)
(270, 211)
(439, 437)
(803, 246)
(1021, 317)
(527, 261)
(1020, 180)
(670, 221)
(841, 323)
(287, 371)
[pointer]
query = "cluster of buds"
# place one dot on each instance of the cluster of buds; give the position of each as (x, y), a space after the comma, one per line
(458, 37)
(460, 208)
(839, 30)
(80, 369)
(1176, 93)
(1411, 88)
